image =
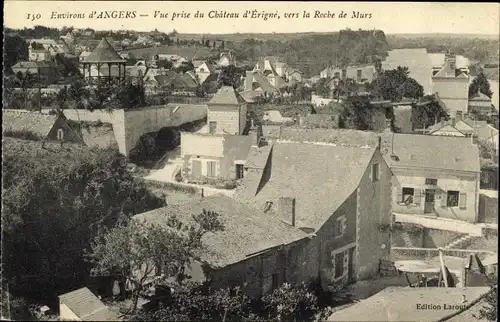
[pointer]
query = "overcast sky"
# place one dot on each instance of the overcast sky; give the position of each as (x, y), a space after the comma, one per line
(457, 18)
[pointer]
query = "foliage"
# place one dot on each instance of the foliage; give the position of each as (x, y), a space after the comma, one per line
(396, 84)
(25, 135)
(322, 88)
(480, 84)
(197, 302)
(428, 111)
(357, 113)
(164, 63)
(490, 310)
(200, 302)
(135, 250)
(229, 76)
(288, 303)
(53, 202)
(15, 49)
(66, 67)
(218, 183)
(487, 149)
(151, 146)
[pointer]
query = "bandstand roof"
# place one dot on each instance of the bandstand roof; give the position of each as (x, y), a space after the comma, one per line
(104, 53)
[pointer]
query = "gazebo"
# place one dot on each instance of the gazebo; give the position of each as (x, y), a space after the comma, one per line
(104, 54)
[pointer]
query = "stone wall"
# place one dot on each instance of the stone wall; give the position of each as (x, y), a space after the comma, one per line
(130, 125)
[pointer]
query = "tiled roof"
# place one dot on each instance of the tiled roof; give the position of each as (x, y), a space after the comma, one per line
(400, 304)
(87, 306)
(35, 122)
(103, 53)
(246, 231)
(320, 176)
(226, 95)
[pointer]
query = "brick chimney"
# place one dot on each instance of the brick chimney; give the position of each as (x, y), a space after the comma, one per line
(286, 207)
(458, 116)
(451, 61)
(453, 122)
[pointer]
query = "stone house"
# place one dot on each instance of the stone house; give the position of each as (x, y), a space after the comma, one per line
(434, 175)
(254, 251)
(359, 73)
(339, 194)
(45, 127)
(227, 112)
(214, 155)
(452, 87)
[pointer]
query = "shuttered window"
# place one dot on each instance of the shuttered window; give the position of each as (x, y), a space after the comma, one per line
(340, 226)
(211, 170)
(452, 198)
(462, 202)
(417, 197)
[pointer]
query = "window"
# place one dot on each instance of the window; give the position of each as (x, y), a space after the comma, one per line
(239, 171)
(340, 227)
(408, 194)
(60, 134)
(341, 264)
(213, 127)
(375, 172)
(431, 182)
(452, 198)
(211, 170)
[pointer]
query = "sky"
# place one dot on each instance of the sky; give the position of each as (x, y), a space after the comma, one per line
(393, 17)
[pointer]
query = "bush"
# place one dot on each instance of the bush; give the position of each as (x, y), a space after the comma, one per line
(218, 183)
(24, 135)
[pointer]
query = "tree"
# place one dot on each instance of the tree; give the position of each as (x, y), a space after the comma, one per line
(43, 242)
(427, 111)
(228, 76)
(356, 113)
(135, 251)
(15, 49)
(480, 84)
(396, 84)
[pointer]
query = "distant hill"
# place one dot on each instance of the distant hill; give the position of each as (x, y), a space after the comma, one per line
(187, 52)
(445, 35)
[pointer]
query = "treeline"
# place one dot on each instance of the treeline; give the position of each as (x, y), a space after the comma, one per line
(482, 50)
(314, 53)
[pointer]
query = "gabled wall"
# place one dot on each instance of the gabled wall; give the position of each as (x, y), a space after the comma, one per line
(373, 211)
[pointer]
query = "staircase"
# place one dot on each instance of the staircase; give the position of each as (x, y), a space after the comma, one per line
(457, 243)
(406, 238)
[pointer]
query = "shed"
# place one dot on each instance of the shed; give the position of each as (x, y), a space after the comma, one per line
(83, 305)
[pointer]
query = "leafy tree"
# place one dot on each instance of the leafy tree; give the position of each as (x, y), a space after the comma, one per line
(480, 84)
(15, 49)
(429, 110)
(396, 84)
(322, 88)
(53, 204)
(135, 250)
(229, 76)
(164, 63)
(356, 113)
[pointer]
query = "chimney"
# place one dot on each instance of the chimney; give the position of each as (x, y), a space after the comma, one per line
(458, 116)
(453, 122)
(451, 61)
(286, 207)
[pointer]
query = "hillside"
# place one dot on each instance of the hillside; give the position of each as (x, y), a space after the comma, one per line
(187, 52)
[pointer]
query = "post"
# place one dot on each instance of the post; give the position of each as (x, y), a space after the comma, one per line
(443, 268)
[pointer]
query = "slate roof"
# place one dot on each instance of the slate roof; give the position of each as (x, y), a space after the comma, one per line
(226, 95)
(480, 97)
(260, 79)
(418, 62)
(167, 78)
(400, 304)
(185, 81)
(30, 64)
(413, 150)
(104, 53)
(247, 230)
(87, 306)
(320, 176)
(35, 122)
